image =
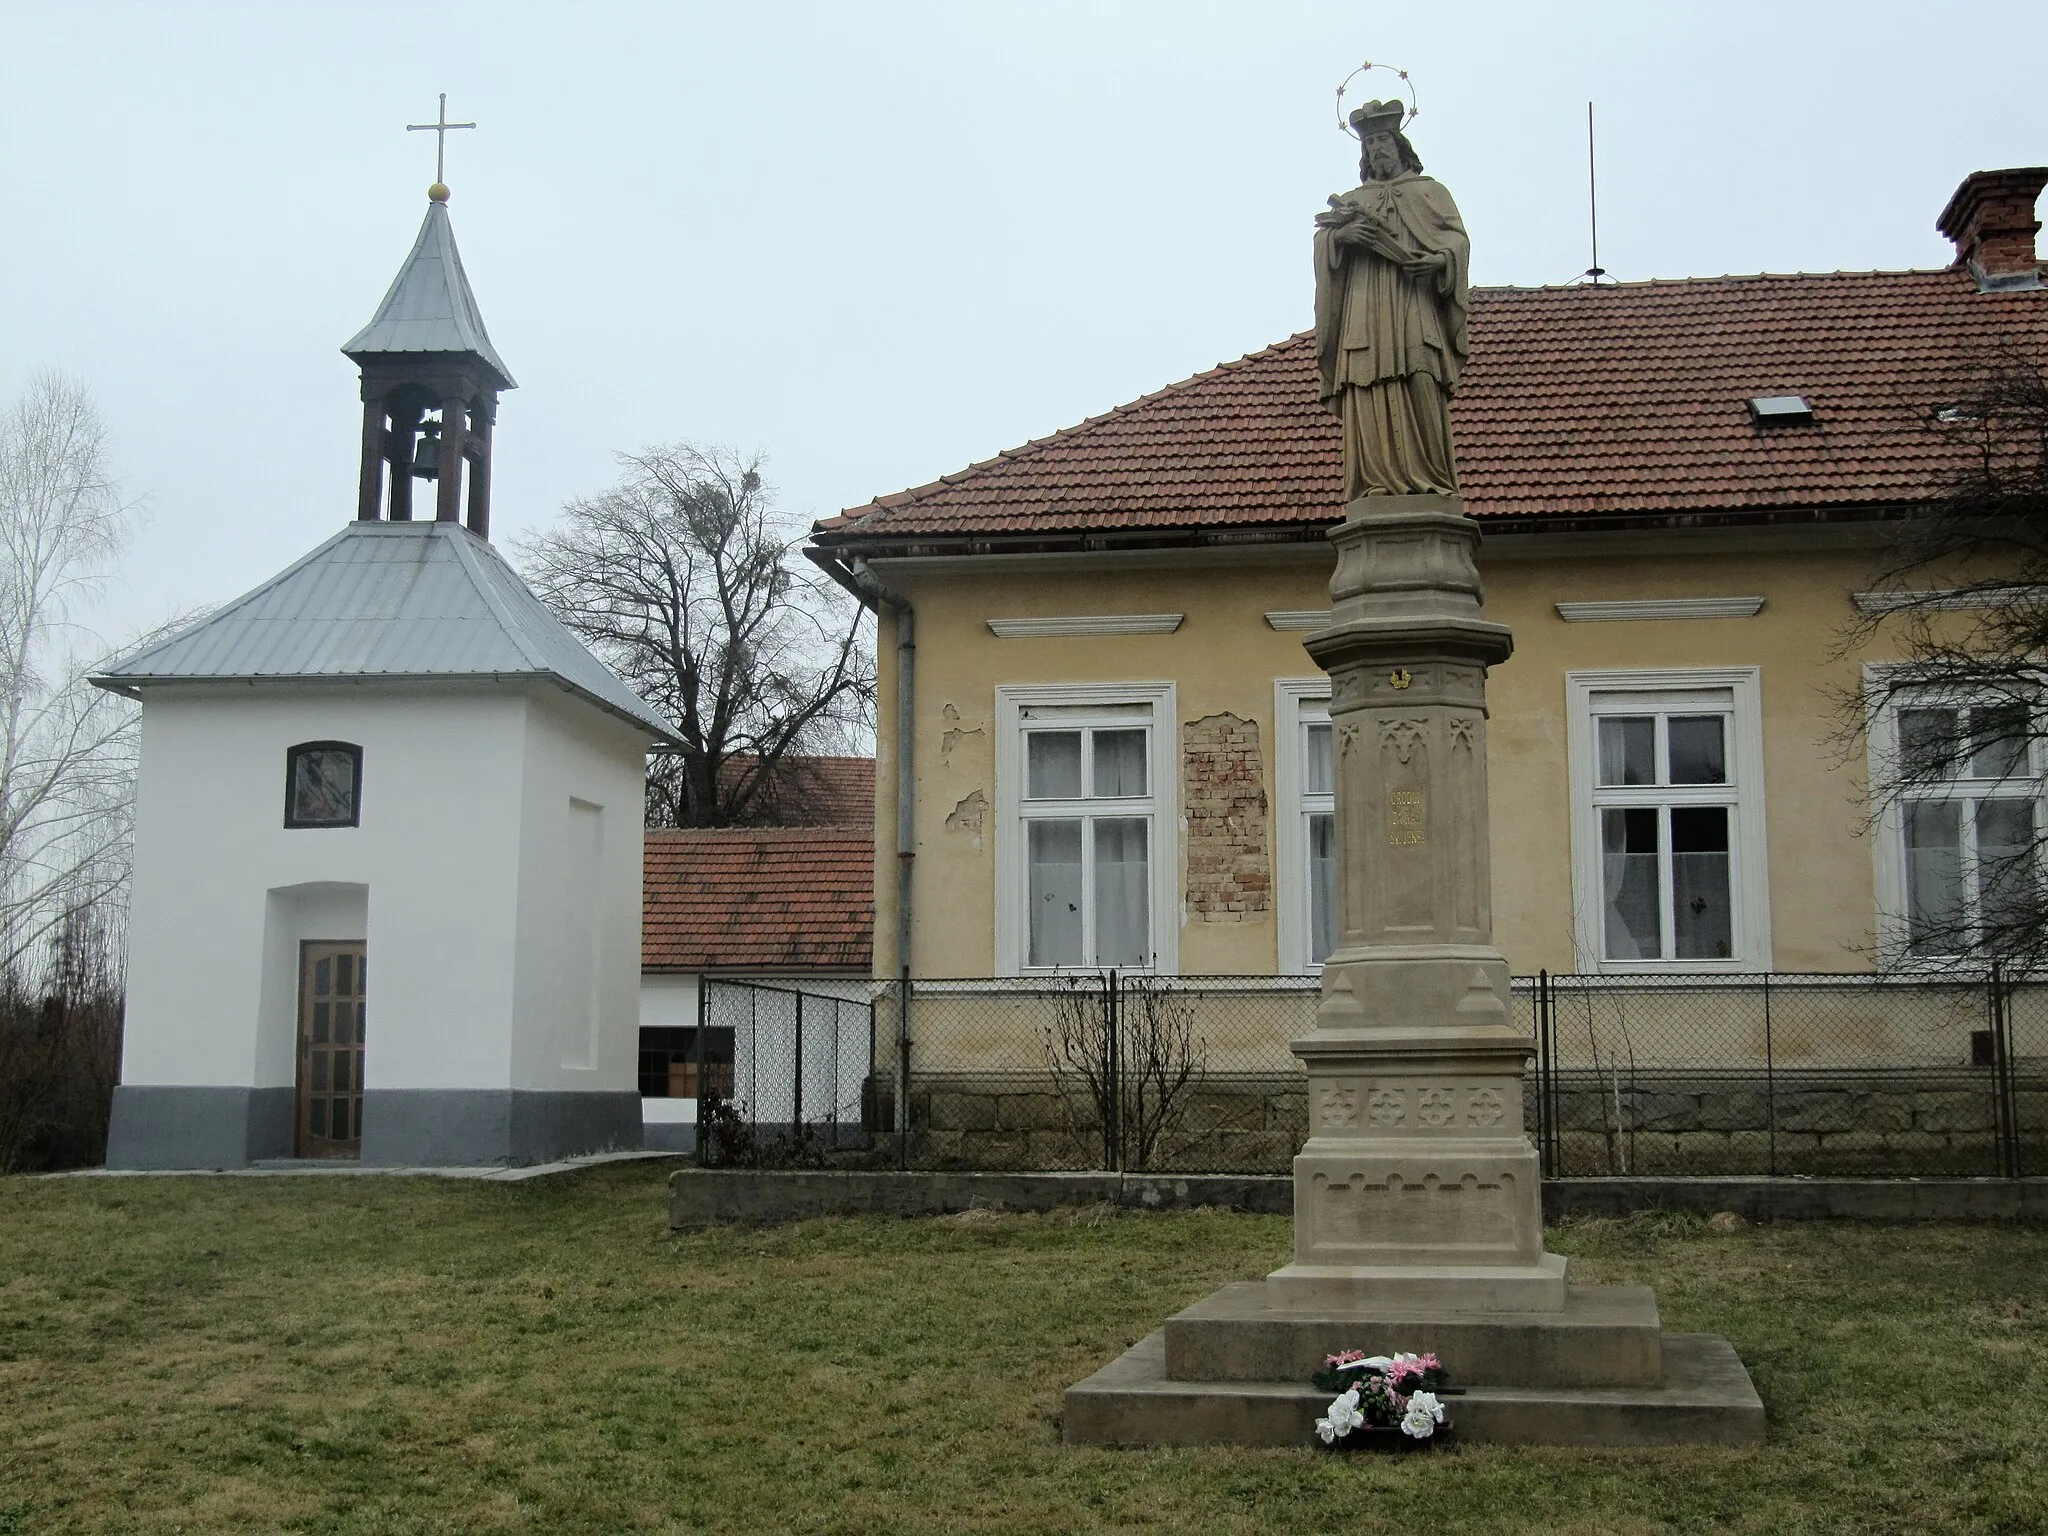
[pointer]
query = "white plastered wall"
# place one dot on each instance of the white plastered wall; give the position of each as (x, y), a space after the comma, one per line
(448, 875)
(577, 960)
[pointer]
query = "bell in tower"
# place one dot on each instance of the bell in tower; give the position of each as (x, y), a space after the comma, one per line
(431, 380)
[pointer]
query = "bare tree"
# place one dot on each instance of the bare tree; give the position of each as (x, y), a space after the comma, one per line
(66, 748)
(1080, 1051)
(60, 1045)
(684, 578)
(66, 780)
(1125, 1053)
(1962, 599)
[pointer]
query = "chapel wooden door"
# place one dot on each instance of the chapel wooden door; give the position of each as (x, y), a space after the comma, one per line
(332, 979)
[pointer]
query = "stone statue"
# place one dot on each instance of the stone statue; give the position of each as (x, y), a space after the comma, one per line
(1393, 280)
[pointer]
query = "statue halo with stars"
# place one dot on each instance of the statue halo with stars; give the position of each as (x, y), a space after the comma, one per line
(1393, 282)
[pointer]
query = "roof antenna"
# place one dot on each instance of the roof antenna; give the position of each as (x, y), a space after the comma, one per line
(1595, 272)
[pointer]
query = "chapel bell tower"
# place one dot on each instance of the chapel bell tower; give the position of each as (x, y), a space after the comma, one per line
(431, 380)
(309, 801)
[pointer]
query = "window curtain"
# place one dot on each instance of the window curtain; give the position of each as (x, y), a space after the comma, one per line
(1628, 877)
(1054, 854)
(1123, 925)
(1322, 886)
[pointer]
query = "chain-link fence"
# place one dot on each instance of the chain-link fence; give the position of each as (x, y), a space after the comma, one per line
(1788, 1074)
(780, 1074)
(1715, 1075)
(1103, 1070)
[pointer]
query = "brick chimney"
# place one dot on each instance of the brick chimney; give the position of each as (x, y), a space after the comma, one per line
(1991, 219)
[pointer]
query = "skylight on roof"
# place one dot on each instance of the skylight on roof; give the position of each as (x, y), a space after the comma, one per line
(1780, 410)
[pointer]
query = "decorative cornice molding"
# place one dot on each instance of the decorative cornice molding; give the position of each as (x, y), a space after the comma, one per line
(1089, 624)
(1660, 608)
(1299, 618)
(1936, 600)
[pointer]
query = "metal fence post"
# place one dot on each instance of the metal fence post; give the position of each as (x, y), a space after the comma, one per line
(1113, 1114)
(2012, 1086)
(2003, 1106)
(903, 1069)
(796, 1077)
(1557, 1086)
(703, 1016)
(1770, 1085)
(1546, 1159)
(1554, 1087)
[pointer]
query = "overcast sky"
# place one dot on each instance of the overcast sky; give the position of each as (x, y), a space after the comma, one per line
(878, 241)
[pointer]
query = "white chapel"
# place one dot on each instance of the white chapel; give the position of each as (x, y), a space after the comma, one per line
(386, 897)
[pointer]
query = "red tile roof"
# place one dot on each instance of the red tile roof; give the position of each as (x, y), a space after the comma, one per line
(813, 792)
(758, 898)
(1616, 401)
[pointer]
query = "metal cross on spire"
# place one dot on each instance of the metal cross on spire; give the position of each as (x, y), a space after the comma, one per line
(440, 130)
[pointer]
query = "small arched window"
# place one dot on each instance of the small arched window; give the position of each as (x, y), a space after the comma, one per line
(323, 784)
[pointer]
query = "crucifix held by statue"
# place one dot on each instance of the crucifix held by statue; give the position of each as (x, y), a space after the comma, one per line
(1393, 279)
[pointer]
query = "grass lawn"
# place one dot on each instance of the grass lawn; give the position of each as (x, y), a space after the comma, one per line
(397, 1355)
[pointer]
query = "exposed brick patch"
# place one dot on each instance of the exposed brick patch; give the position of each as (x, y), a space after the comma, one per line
(1230, 872)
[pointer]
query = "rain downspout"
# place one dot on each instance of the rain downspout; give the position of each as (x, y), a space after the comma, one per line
(872, 590)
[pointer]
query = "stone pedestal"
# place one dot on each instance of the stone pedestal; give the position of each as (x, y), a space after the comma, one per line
(1418, 1216)
(1417, 1187)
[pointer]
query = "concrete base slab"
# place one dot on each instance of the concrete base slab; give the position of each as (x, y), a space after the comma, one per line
(1605, 1336)
(1706, 1399)
(335, 1167)
(1403, 1289)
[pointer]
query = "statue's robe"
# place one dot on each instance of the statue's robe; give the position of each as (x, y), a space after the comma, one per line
(1390, 335)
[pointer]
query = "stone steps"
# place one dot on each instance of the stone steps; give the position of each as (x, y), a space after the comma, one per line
(1705, 1398)
(1606, 1336)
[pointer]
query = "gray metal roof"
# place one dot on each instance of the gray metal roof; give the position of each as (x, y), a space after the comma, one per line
(430, 307)
(421, 600)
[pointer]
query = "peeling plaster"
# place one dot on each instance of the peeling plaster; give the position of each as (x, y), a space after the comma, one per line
(957, 734)
(968, 815)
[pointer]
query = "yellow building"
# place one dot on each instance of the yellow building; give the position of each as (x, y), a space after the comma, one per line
(1103, 749)
(1117, 747)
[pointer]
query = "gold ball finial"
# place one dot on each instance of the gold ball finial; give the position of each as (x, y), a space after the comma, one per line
(438, 192)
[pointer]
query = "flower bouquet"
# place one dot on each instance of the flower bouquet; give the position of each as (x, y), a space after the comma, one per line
(1389, 1401)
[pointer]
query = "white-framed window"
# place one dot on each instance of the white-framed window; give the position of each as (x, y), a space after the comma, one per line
(1958, 837)
(1667, 814)
(1305, 822)
(1088, 836)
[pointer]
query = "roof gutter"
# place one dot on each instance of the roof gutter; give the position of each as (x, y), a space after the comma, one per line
(876, 595)
(839, 545)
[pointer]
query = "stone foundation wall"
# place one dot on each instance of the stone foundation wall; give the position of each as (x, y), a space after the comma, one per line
(1248, 1125)
(1903, 1124)
(1932, 1125)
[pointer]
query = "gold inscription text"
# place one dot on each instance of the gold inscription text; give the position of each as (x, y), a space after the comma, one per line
(1404, 817)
